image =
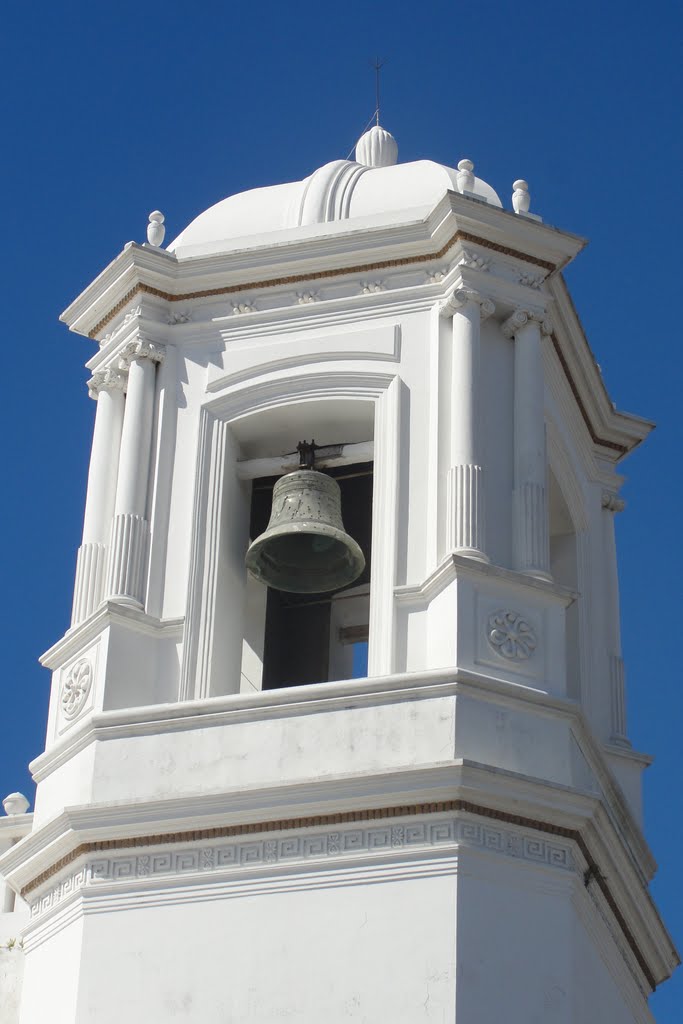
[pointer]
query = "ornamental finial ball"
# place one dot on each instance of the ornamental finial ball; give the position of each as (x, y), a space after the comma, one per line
(377, 148)
(521, 200)
(14, 804)
(155, 228)
(464, 177)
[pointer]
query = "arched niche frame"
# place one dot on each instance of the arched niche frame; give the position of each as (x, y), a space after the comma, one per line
(214, 624)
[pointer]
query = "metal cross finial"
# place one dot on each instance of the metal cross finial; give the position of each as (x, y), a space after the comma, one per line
(378, 64)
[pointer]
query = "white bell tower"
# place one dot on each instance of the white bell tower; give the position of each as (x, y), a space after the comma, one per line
(413, 799)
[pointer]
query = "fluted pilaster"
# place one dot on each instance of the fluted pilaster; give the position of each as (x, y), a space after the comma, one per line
(91, 563)
(530, 517)
(107, 387)
(127, 557)
(465, 499)
(530, 500)
(618, 700)
(612, 503)
(129, 534)
(465, 523)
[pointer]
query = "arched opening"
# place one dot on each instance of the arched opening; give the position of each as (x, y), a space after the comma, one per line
(292, 639)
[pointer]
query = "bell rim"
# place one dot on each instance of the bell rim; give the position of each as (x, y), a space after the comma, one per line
(311, 527)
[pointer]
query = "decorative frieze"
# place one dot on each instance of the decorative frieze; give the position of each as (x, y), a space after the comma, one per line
(531, 279)
(265, 852)
(474, 260)
(306, 298)
(179, 316)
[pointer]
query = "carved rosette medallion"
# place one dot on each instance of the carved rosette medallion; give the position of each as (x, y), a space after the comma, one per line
(511, 636)
(75, 688)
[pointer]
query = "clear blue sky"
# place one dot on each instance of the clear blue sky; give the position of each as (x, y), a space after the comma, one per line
(112, 110)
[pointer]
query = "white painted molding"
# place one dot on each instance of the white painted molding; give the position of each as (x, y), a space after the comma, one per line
(215, 419)
(302, 850)
(385, 527)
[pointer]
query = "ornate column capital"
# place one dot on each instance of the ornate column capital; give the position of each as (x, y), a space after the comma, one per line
(141, 348)
(611, 502)
(109, 379)
(521, 317)
(459, 297)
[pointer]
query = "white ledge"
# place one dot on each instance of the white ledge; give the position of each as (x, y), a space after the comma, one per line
(460, 565)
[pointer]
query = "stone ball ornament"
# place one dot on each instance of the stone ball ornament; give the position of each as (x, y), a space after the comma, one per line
(511, 636)
(76, 688)
(15, 804)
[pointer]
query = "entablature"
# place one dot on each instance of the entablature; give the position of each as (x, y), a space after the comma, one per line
(314, 254)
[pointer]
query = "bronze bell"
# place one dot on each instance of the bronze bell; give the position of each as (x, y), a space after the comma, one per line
(305, 549)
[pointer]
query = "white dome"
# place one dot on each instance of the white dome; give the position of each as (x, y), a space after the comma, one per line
(338, 191)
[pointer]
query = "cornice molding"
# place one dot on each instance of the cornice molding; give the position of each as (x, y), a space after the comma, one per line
(460, 565)
(617, 432)
(109, 613)
(307, 254)
(142, 288)
(639, 933)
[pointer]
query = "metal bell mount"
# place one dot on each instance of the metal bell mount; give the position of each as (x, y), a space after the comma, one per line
(305, 549)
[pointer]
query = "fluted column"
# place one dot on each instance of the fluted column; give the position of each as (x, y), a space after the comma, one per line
(106, 387)
(465, 497)
(612, 503)
(530, 500)
(130, 529)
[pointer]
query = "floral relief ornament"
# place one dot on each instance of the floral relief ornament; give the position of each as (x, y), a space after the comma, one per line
(76, 687)
(511, 636)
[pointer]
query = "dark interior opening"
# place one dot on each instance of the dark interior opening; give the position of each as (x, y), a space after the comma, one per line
(297, 637)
